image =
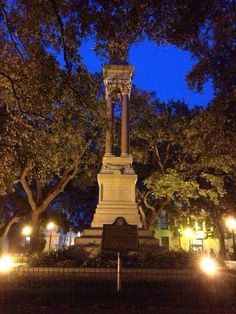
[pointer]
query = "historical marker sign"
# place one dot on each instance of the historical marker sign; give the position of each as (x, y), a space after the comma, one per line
(120, 236)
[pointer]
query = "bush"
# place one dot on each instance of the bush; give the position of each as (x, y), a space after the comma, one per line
(102, 260)
(145, 259)
(71, 257)
(76, 257)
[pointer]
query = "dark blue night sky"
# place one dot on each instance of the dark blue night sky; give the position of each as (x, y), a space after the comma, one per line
(161, 69)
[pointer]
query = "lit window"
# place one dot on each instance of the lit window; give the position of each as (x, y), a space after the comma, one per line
(165, 241)
(163, 222)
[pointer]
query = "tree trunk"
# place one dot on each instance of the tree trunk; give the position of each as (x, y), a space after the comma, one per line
(5, 233)
(35, 223)
(151, 220)
(221, 236)
(37, 242)
(2, 239)
(142, 216)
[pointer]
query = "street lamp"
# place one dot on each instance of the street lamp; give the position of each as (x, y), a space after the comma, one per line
(26, 232)
(6, 264)
(208, 265)
(50, 227)
(231, 225)
(188, 233)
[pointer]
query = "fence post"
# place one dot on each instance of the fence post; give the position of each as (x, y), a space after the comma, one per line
(118, 272)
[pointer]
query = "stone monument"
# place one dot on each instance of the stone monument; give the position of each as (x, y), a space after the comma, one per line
(117, 178)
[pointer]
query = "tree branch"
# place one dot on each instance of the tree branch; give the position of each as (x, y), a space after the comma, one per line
(164, 203)
(25, 185)
(13, 89)
(68, 65)
(143, 217)
(154, 211)
(10, 33)
(145, 200)
(67, 175)
(167, 154)
(157, 155)
(38, 187)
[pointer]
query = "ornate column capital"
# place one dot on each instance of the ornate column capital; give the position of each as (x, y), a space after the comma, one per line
(117, 79)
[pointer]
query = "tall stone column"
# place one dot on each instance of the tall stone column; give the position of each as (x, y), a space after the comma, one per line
(109, 131)
(117, 178)
(125, 125)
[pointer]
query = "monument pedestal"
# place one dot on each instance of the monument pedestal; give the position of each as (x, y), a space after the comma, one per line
(116, 182)
(116, 192)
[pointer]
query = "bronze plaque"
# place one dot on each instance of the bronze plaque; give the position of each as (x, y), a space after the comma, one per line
(120, 236)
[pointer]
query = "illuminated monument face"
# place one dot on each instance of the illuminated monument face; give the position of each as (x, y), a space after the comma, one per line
(117, 179)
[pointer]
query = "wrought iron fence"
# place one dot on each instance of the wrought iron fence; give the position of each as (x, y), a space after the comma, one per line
(173, 287)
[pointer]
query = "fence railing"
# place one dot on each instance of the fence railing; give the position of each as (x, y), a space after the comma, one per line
(178, 287)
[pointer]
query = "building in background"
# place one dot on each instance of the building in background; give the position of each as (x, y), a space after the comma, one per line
(195, 237)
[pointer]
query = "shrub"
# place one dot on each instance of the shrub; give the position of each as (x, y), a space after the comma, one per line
(71, 257)
(102, 260)
(145, 259)
(76, 257)
(152, 259)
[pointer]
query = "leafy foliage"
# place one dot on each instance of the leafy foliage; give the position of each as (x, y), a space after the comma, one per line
(72, 257)
(154, 258)
(205, 29)
(51, 114)
(185, 158)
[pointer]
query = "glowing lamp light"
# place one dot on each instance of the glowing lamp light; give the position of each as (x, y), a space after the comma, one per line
(50, 226)
(231, 223)
(188, 232)
(26, 231)
(208, 266)
(6, 264)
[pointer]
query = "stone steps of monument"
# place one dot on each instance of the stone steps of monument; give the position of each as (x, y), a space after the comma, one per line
(98, 232)
(123, 207)
(93, 240)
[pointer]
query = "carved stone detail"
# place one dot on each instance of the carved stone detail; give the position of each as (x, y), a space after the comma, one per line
(117, 79)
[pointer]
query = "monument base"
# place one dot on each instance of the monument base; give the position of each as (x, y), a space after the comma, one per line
(116, 182)
(91, 239)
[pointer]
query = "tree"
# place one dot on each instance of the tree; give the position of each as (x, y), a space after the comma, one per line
(51, 115)
(212, 134)
(189, 157)
(13, 207)
(156, 145)
(205, 29)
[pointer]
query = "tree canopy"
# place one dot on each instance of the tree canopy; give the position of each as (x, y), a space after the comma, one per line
(51, 116)
(185, 157)
(204, 28)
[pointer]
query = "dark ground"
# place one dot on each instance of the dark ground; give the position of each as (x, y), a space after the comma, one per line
(110, 302)
(107, 309)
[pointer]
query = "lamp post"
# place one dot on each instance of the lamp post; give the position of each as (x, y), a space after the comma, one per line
(26, 232)
(231, 225)
(50, 227)
(188, 232)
